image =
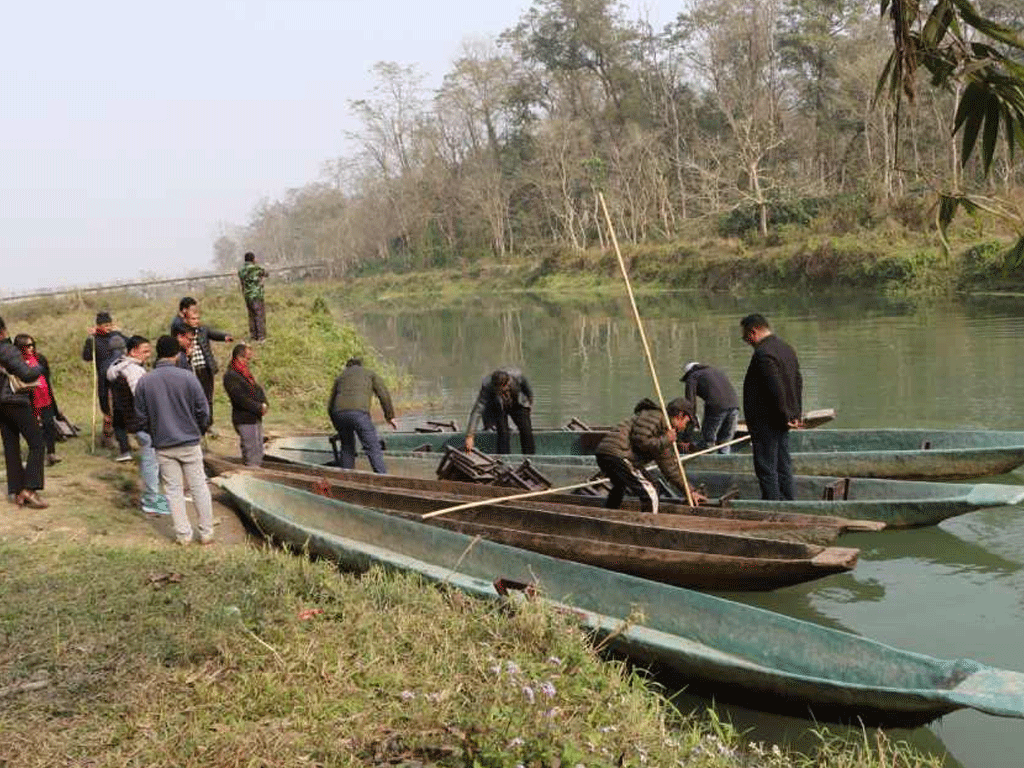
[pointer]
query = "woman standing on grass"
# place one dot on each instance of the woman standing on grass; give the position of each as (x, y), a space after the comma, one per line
(17, 420)
(44, 402)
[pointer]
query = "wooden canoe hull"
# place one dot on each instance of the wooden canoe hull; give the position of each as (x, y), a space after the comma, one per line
(419, 477)
(774, 660)
(897, 503)
(700, 558)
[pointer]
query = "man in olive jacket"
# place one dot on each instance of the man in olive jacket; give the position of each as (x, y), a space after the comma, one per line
(772, 404)
(642, 438)
(349, 409)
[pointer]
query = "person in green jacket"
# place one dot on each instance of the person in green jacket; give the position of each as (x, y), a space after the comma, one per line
(251, 277)
(349, 409)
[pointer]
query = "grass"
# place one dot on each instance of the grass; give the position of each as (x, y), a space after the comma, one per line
(187, 657)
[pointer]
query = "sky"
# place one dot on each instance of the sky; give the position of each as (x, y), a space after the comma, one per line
(131, 133)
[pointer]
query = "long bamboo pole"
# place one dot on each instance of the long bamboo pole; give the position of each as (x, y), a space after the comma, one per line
(95, 384)
(564, 488)
(643, 339)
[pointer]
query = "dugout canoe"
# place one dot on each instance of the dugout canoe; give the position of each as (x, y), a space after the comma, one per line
(699, 559)
(897, 503)
(421, 495)
(924, 454)
(706, 642)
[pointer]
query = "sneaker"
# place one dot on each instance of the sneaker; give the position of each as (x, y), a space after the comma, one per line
(156, 507)
(204, 540)
(52, 459)
(182, 542)
(124, 457)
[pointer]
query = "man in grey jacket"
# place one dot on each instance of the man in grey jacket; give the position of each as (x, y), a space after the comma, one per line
(721, 405)
(171, 403)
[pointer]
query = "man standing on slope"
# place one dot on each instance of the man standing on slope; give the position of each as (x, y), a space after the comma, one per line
(772, 404)
(251, 276)
(171, 403)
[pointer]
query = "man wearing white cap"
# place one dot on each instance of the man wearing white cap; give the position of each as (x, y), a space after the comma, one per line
(721, 405)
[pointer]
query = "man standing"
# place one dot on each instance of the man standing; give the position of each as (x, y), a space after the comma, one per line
(97, 349)
(349, 409)
(772, 404)
(124, 376)
(642, 438)
(200, 354)
(172, 406)
(248, 405)
(251, 277)
(721, 406)
(504, 394)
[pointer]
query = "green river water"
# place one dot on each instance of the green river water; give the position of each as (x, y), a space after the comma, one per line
(955, 590)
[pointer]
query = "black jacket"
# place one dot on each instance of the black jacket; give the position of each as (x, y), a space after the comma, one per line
(103, 357)
(246, 399)
(12, 362)
(712, 386)
(773, 387)
(203, 337)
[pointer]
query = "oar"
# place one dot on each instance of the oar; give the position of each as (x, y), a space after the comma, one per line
(643, 338)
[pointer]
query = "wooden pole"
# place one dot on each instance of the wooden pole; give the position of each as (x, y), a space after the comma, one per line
(95, 374)
(516, 497)
(564, 488)
(643, 338)
(713, 448)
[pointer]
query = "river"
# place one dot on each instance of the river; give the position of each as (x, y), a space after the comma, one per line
(955, 590)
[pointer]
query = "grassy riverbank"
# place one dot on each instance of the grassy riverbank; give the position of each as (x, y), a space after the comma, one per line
(117, 648)
(161, 656)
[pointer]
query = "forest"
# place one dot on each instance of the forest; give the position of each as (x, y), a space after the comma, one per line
(741, 119)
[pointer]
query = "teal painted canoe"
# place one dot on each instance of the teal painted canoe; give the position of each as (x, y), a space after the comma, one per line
(707, 642)
(927, 454)
(897, 503)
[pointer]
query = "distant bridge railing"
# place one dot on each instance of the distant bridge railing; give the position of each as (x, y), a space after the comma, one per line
(290, 273)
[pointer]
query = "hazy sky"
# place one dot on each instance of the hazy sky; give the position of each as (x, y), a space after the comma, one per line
(130, 132)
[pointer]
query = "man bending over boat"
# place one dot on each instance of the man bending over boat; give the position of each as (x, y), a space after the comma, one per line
(349, 409)
(504, 394)
(640, 439)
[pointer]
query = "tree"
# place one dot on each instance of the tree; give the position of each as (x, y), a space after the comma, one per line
(961, 48)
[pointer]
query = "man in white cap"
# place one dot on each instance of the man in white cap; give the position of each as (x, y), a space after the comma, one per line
(721, 405)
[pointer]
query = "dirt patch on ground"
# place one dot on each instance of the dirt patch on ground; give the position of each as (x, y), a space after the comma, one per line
(93, 498)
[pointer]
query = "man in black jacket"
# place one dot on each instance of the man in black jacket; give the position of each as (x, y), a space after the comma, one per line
(104, 344)
(772, 404)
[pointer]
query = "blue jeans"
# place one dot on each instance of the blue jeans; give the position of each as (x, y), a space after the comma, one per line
(772, 463)
(719, 427)
(352, 423)
(149, 469)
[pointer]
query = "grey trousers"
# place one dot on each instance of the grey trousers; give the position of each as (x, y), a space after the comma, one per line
(186, 462)
(250, 439)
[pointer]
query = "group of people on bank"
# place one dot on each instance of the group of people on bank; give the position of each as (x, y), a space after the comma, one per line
(167, 410)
